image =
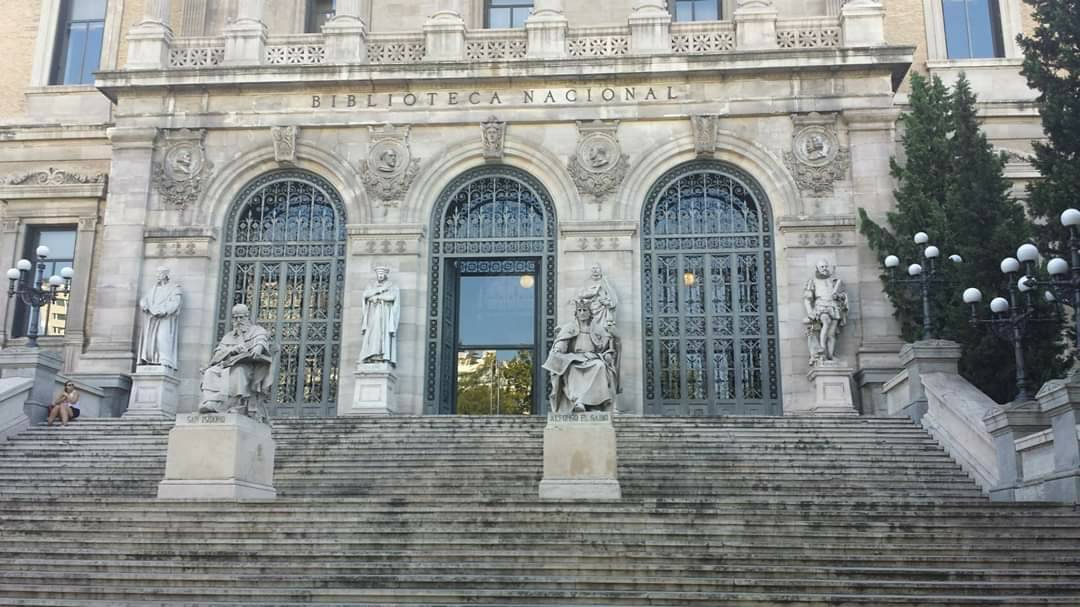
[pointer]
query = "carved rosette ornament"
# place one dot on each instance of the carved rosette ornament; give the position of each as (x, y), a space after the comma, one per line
(52, 176)
(184, 168)
(390, 169)
(817, 160)
(493, 136)
(284, 138)
(598, 166)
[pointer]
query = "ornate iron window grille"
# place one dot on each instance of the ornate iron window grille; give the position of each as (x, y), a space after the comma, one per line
(495, 214)
(708, 294)
(284, 256)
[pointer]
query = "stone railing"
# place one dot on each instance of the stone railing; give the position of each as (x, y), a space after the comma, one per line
(702, 37)
(303, 49)
(396, 48)
(598, 41)
(196, 52)
(817, 32)
(496, 45)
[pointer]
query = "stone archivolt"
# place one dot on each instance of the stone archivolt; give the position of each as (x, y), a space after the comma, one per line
(390, 169)
(184, 168)
(598, 166)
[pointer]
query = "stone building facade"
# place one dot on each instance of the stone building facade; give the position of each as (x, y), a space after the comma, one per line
(705, 154)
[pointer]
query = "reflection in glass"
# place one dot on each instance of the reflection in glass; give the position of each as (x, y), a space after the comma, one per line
(494, 382)
(971, 29)
(497, 310)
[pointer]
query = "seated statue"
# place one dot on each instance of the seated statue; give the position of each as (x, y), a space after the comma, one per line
(584, 364)
(238, 379)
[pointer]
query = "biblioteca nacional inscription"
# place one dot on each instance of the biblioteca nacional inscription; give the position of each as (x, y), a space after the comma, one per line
(573, 96)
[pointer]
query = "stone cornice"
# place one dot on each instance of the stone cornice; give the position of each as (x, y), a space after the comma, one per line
(894, 60)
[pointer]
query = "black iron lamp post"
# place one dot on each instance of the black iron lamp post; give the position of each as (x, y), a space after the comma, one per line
(1063, 285)
(34, 290)
(921, 278)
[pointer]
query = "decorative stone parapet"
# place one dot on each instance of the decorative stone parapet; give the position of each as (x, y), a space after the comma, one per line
(862, 23)
(905, 394)
(755, 25)
(13, 394)
(1006, 424)
(154, 393)
(1059, 401)
(219, 456)
(650, 28)
(580, 459)
(39, 366)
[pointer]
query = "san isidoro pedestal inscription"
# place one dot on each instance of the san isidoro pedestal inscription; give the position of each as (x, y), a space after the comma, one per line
(579, 457)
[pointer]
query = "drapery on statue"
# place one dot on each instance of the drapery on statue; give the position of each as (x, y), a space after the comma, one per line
(584, 363)
(601, 299)
(382, 310)
(826, 305)
(161, 314)
(239, 378)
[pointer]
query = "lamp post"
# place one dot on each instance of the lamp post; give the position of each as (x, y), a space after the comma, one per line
(1009, 318)
(34, 290)
(1064, 282)
(920, 278)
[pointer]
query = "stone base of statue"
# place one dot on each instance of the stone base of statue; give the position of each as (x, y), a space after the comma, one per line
(154, 393)
(219, 456)
(579, 458)
(376, 389)
(832, 389)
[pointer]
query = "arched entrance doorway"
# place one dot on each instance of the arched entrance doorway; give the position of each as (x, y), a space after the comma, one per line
(491, 309)
(708, 295)
(284, 256)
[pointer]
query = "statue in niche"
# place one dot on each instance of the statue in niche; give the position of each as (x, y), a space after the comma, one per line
(601, 298)
(382, 311)
(238, 379)
(584, 360)
(161, 315)
(826, 304)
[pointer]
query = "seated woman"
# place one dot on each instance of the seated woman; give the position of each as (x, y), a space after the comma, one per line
(65, 406)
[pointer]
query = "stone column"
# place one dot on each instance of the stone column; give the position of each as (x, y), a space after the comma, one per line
(10, 228)
(1060, 402)
(1006, 424)
(346, 33)
(862, 23)
(116, 283)
(928, 356)
(444, 32)
(149, 40)
(245, 37)
(546, 28)
(75, 335)
(650, 28)
(755, 25)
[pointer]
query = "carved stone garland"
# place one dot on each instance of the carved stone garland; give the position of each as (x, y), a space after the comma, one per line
(52, 176)
(817, 160)
(184, 169)
(598, 166)
(390, 169)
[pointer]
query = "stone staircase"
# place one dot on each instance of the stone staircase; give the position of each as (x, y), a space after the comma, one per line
(443, 511)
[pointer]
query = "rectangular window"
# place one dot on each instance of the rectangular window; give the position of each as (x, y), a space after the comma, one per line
(319, 12)
(507, 13)
(52, 318)
(695, 10)
(972, 29)
(78, 41)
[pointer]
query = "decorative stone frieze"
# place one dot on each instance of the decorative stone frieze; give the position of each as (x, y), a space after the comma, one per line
(181, 174)
(589, 236)
(817, 160)
(705, 127)
(387, 240)
(52, 176)
(284, 138)
(175, 243)
(818, 232)
(390, 168)
(493, 135)
(598, 166)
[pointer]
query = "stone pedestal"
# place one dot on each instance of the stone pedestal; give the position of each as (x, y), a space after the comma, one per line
(862, 23)
(39, 366)
(755, 26)
(1060, 403)
(13, 394)
(650, 28)
(905, 394)
(148, 46)
(376, 389)
(245, 42)
(832, 389)
(444, 36)
(579, 458)
(154, 393)
(546, 30)
(219, 456)
(346, 40)
(1006, 424)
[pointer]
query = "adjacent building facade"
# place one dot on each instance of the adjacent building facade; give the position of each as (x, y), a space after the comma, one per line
(705, 154)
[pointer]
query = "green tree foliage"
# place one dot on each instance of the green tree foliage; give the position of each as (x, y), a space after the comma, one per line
(951, 184)
(1052, 66)
(491, 386)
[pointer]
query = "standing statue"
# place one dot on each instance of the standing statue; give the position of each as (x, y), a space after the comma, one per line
(601, 299)
(584, 364)
(382, 310)
(161, 314)
(239, 378)
(826, 305)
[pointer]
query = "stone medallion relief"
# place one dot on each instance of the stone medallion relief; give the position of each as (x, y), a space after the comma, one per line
(817, 160)
(184, 169)
(390, 169)
(598, 166)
